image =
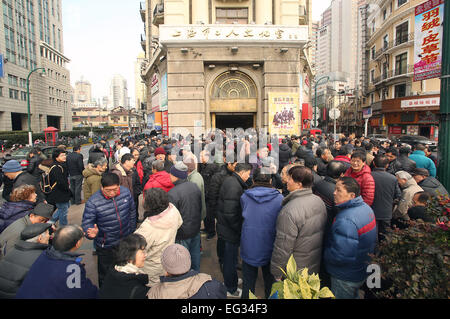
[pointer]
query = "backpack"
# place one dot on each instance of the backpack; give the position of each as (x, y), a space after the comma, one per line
(44, 183)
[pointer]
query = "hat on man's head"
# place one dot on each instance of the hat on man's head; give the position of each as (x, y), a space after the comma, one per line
(44, 210)
(159, 151)
(179, 170)
(34, 230)
(420, 171)
(11, 166)
(176, 259)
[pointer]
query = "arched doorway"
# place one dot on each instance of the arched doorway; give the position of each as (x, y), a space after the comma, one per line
(233, 101)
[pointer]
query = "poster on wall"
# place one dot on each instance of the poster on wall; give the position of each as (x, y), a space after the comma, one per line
(412, 129)
(428, 38)
(151, 121)
(164, 93)
(158, 121)
(283, 113)
(165, 123)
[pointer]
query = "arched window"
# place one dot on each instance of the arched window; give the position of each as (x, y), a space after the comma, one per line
(233, 85)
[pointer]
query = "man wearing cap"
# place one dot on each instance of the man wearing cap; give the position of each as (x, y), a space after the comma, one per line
(13, 171)
(16, 264)
(187, 197)
(160, 154)
(58, 272)
(428, 183)
(11, 235)
(180, 282)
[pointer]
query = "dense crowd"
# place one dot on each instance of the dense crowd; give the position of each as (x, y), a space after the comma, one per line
(328, 203)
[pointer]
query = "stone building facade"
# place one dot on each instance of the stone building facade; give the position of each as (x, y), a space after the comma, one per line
(213, 64)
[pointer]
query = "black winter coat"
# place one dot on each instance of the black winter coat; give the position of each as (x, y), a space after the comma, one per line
(408, 164)
(187, 198)
(95, 155)
(15, 266)
(33, 166)
(212, 192)
(61, 192)
(321, 167)
(120, 285)
(394, 167)
(229, 210)
(325, 190)
(433, 186)
(284, 156)
(75, 165)
(386, 191)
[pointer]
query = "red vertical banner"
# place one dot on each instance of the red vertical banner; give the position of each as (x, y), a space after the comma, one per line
(165, 123)
(306, 116)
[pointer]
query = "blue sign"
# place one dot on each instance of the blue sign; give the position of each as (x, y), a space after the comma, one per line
(1, 66)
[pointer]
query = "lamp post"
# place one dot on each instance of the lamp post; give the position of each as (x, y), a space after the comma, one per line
(30, 134)
(315, 94)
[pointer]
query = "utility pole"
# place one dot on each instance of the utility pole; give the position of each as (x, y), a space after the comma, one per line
(444, 122)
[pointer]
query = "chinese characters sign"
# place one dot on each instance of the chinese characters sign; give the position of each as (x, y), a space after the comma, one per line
(432, 101)
(283, 113)
(428, 40)
(232, 33)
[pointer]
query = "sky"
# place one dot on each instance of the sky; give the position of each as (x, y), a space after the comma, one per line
(102, 38)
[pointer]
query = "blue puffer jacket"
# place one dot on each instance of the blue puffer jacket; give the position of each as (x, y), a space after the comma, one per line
(423, 162)
(260, 209)
(115, 217)
(12, 211)
(353, 236)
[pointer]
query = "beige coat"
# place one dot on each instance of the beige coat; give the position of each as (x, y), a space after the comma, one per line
(159, 231)
(406, 201)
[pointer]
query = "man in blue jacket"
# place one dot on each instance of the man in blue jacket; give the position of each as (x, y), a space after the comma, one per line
(422, 161)
(352, 238)
(260, 208)
(109, 215)
(58, 272)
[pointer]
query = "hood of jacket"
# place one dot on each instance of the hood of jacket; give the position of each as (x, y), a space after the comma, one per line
(10, 209)
(342, 158)
(90, 171)
(162, 178)
(409, 183)
(284, 147)
(168, 219)
(262, 194)
(430, 182)
(297, 193)
(358, 201)
(122, 171)
(180, 287)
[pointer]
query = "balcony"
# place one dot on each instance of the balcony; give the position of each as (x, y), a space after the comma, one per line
(143, 42)
(402, 71)
(394, 43)
(158, 14)
(142, 10)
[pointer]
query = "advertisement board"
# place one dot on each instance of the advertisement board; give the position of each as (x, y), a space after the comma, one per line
(284, 113)
(164, 93)
(2, 73)
(158, 121)
(165, 123)
(428, 36)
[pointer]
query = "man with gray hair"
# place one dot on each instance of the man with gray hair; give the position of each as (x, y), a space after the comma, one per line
(159, 178)
(93, 176)
(67, 278)
(409, 188)
(16, 264)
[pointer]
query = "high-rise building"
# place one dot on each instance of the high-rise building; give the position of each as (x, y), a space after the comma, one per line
(314, 38)
(82, 92)
(140, 93)
(31, 41)
(214, 63)
(118, 92)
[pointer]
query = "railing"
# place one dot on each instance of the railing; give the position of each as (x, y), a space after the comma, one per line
(394, 43)
(393, 73)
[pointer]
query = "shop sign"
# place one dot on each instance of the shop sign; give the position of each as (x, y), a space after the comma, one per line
(395, 130)
(428, 117)
(155, 103)
(412, 129)
(165, 123)
(164, 93)
(367, 113)
(154, 86)
(428, 40)
(431, 101)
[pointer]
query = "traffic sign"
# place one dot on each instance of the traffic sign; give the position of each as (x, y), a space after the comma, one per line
(334, 113)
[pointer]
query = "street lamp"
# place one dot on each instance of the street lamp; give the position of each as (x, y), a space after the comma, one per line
(30, 134)
(315, 96)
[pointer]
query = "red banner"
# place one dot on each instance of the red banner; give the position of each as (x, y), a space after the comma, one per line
(165, 123)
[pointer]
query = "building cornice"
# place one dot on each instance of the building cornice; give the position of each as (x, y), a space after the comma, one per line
(49, 47)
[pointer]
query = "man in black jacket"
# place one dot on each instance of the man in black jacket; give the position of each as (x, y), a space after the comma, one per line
(394, 165)
(284, 155)
(187, 197)
(229, 223)
(408, 164)
(387, 191)
(428, 183)
(18, 261)
(60, 194)
(75, 167)
(323, 155)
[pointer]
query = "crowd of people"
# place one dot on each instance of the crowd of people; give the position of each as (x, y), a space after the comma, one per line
(325, 202)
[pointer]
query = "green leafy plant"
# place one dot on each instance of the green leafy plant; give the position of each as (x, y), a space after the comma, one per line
(299, 284)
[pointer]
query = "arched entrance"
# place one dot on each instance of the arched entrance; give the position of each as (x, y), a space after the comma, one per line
(233, 101)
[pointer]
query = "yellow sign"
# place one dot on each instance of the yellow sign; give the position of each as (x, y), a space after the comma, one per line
(284, 113)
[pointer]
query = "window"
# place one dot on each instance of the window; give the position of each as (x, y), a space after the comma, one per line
(13, 94)
(385, 41)
(13, 80)
(372, 53)
(401, 2)
(371, 98)
(401, 63)
(400, 90)
(23, 96)
(372, 76)
(384, 14)
(401, 33)
(232, 15)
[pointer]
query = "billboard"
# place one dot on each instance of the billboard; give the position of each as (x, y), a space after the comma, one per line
(165, 123)
(158, 121)
(2, 73)
(151, 121)
(284, 113)
(164, 93)
(428, 36)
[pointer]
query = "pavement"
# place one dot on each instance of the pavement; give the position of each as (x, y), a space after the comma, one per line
(209, 261)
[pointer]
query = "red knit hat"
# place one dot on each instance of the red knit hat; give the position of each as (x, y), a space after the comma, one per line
(160, 150)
